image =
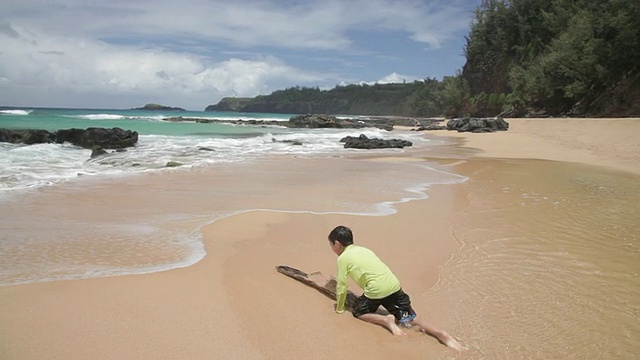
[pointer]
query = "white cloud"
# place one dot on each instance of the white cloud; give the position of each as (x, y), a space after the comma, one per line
(294, 24)
(395, 78)
(429, 22)
(38, 62)
(122, 52)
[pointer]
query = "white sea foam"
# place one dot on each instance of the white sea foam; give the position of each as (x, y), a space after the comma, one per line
(63, 261)
(98, 116)
(163, 117)
(32, 166)
(16, 112)
(116, 117)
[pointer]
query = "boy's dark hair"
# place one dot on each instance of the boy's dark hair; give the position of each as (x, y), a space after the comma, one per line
(341, 234)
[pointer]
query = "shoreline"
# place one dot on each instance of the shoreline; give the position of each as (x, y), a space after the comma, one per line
(611, 143)
(233, 304)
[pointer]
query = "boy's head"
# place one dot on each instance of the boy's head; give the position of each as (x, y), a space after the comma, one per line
(340, 238)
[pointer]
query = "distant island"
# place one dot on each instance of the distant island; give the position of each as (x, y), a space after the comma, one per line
(156, 107)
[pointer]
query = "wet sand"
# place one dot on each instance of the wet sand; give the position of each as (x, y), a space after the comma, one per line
(547, 265)
(498, 261)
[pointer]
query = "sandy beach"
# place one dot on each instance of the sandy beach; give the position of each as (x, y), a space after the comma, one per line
(467, 256)
(608, 143)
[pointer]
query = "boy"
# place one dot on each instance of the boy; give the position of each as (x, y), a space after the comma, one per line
(381, 287)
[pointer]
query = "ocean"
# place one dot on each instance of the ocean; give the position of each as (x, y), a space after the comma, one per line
(190, 143)
(65, 215)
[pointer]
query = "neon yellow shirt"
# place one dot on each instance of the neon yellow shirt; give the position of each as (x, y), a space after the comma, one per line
(368, 271)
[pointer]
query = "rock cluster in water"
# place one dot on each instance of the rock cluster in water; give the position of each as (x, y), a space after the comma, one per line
(363, 142)
(90, 138)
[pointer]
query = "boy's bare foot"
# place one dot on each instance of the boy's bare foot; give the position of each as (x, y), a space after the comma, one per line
(393, 327)
(453, 343)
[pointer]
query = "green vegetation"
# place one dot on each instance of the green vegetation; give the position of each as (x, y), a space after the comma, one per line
(378, 99)
(231, 104)
(561, 57)
(426, 98)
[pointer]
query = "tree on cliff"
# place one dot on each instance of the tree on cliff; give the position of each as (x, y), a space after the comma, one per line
(562, 56)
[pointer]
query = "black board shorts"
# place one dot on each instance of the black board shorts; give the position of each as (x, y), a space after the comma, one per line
(397, 304)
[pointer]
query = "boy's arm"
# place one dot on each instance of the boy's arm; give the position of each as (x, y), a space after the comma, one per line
(341, 286)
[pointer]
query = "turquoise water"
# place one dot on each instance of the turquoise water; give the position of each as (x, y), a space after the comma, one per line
(144, 122)
(189, 143)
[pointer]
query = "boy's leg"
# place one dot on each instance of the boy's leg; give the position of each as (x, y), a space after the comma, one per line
(388, 321)
(365, 310)
(399, 304)
(439, 334)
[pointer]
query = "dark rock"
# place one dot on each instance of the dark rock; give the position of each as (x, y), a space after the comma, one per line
(9, 136)
(431, 127)
(38, 137)
(292, 142)
(319, 121)
(27, 136)
(478, 125)
(174, 164)
(363, 142)
(115, 138)
(98, 151)
(314, 121)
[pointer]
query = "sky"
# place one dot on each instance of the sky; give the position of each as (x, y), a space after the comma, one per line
(119, 54)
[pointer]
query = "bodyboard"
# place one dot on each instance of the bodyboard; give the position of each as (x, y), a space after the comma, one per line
(318, 281)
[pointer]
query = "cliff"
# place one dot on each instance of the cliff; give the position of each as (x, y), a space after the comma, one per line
(229, 104)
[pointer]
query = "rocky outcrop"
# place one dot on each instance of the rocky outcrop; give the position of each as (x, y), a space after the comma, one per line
(314, 121)
(430, 127)
(225, 121)
(363, 142)
(381, 122)
(478, 125)
(98, 151)
(26, 136)
(90, 138)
